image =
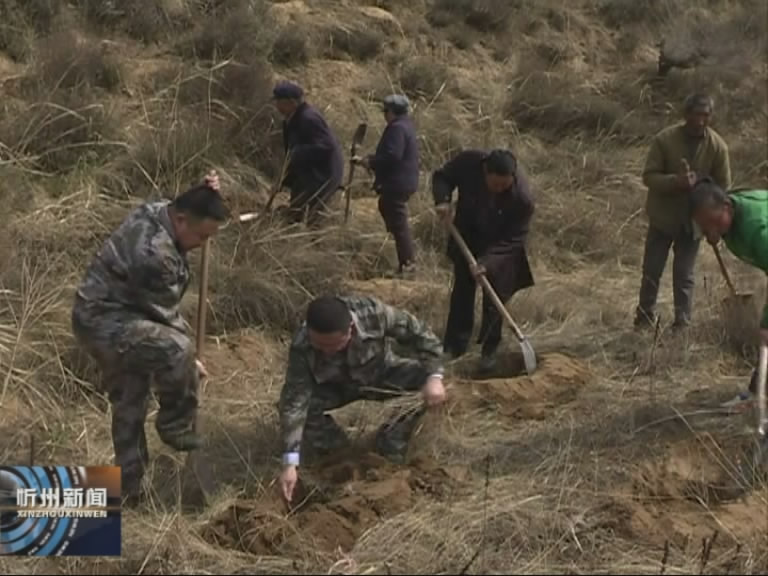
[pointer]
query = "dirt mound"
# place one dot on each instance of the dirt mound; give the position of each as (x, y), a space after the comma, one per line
(336, 503)
(557, 380)
(702, 470)
(696, 488)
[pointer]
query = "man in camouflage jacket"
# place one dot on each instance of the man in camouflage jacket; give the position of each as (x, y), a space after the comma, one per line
(126, 315)
(342, 353)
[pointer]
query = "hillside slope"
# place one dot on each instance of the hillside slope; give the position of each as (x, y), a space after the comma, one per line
(601, 462)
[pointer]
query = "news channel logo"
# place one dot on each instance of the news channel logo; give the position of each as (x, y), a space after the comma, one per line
(59, 511)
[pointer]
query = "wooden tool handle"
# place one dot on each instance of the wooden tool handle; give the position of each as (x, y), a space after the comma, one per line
(202, 297)
(484, 281)
(762, 374)
(724, 270)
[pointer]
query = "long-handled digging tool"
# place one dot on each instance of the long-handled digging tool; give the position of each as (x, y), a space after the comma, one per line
(195, 461)
(739, 309)
(755, 466)
(529, 356)
(357, 140)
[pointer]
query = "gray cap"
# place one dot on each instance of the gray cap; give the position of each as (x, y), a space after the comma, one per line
(397, 103)
(697, 101)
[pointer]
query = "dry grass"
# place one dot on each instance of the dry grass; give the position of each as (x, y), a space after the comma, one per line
(624, 474)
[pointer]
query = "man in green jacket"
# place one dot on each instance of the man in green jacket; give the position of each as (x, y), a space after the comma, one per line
(740, 219)
(678, 157)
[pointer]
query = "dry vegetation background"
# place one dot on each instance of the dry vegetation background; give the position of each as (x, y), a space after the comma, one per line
(108, 103)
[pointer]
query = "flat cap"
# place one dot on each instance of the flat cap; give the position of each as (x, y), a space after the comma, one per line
(398, 103)
(285, 90)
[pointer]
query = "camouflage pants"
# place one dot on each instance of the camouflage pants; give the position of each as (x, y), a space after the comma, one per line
(323, 436)
(136, 355)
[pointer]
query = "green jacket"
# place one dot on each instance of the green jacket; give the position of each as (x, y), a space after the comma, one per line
(667, 206)
(748, 237)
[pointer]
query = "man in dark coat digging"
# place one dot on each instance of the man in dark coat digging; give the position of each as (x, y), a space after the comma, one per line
(493, 215)
(315, 162)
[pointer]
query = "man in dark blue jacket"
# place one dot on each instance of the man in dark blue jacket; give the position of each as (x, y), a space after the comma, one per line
(315, 163)
(493, 215)
(396, 166)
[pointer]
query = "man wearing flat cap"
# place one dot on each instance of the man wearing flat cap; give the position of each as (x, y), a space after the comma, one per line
(315, 163)
(396, 166)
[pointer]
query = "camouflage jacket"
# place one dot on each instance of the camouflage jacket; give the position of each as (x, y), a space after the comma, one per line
(361, 364)
(140, 269)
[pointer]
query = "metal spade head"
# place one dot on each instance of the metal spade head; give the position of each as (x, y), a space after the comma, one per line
(359, 135)
(529, 356)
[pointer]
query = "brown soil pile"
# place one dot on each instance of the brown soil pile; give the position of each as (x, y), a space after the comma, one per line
(338, 502)
(557, 381)
(694, 489)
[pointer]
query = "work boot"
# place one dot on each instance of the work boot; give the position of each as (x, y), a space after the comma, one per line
(644, 320)
(184, 442)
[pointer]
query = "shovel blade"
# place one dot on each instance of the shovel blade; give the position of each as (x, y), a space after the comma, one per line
(359, 135)
(529, 356)
(740, 317)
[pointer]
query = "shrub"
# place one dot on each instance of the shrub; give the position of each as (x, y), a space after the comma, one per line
(559, 105)
(290, 48)
(59, 133)
(242, 30)
(423, 77)
(482, 15)
(360, 43)
(21, 21)
(145, 20)
(68, 62)
(621, 13)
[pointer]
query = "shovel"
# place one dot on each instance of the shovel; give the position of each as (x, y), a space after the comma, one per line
(196, 461)
(755, 470)
(357, 140)
(529, 356)
(739, 309)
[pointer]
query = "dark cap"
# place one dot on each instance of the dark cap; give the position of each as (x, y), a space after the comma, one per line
(285, 90)
(397, 103)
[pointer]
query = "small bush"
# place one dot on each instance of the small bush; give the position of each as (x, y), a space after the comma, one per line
(145, 20)
(168, 152)
(482, 15)
(59, 133)
(559, 105)
(625, 13)
(423, 77)
(21, 21)
(242, 31)
(359, 43)
(68, 62)
(290, 48)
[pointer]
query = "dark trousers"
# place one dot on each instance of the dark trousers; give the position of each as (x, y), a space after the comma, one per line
(136, 356)
(461, 316)
(312, 198)
(323, 436)
(394, 211)
(657, 245)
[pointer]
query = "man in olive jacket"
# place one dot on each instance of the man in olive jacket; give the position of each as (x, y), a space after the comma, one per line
(678, 157)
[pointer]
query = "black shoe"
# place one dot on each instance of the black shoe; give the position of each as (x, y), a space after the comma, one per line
(186, 442)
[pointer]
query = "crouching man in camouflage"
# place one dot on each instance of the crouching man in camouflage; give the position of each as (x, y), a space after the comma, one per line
(342, 354)
(126, 315)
